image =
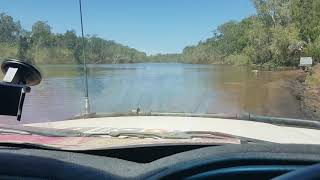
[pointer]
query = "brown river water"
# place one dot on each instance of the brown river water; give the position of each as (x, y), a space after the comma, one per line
(159, 88)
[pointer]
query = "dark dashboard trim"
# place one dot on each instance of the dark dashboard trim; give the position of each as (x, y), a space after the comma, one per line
(184, 164)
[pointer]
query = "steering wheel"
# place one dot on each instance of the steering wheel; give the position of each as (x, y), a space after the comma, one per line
(308, 173)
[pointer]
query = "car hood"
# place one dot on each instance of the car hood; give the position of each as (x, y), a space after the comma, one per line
(256, 130)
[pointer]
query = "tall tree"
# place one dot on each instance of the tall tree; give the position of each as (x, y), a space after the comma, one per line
(9, 29)
(306, 15)
(41, 34)
(273, 12)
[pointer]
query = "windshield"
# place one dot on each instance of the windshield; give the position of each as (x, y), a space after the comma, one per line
(234, 58)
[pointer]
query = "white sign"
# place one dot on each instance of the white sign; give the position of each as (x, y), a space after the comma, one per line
(305, 61)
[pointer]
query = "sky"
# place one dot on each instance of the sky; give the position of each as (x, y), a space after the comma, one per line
(152, 26)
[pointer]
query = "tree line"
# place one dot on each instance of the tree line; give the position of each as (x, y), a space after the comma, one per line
(278, 34)
(42, 46)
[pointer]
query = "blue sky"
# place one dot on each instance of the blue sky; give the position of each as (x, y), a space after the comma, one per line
(152, 26)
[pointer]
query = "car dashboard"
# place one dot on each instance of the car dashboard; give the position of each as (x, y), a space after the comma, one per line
(247, 161)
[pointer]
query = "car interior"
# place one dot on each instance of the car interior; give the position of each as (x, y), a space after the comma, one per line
(247, 161)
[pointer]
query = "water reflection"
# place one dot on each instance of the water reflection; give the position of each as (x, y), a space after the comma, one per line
(159, 88)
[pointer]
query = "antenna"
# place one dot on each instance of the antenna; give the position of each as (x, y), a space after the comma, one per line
(86, 94)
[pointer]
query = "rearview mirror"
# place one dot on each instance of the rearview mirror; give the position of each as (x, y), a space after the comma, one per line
(18, 77)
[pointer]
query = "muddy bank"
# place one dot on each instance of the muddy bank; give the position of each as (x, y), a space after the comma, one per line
(279, 100)
(306, 88)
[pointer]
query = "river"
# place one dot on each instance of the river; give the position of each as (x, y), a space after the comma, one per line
(159, 88)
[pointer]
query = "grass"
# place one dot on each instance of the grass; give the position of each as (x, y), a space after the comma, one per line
(313, 79)
(8, 51)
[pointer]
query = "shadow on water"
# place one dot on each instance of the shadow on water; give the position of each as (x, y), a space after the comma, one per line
(159, 88)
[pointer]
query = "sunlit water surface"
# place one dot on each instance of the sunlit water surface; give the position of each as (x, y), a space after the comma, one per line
(158, 88)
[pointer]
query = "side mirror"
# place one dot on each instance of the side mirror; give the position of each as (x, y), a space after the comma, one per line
(18, 77)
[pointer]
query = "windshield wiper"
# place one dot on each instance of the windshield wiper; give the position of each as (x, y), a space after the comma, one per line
(163, 135)
(174, 135)
(28, 130)
(167, 135)
(224, 135)
(13, 131)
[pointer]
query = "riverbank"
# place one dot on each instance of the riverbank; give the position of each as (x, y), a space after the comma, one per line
(306, 88)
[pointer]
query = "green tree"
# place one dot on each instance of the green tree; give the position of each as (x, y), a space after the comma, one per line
(23, 48)
(282, 40)
(41, 34)
(9, 29)
(231, 38)
(273, 12)
(69, 39)
(306, 14)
